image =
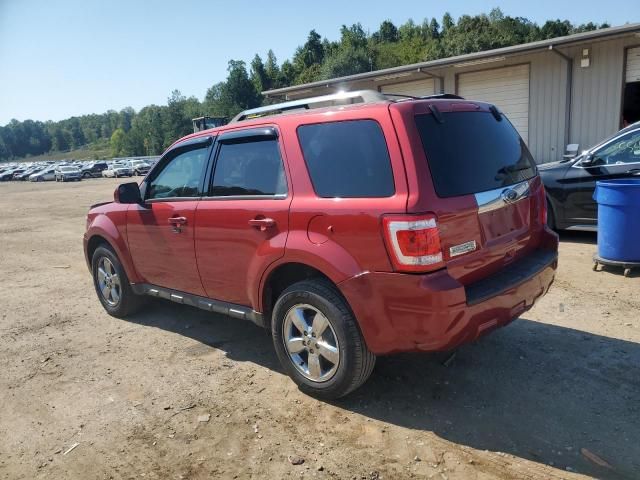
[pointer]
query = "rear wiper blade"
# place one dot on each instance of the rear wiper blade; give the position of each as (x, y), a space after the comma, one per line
(495, 112)
(436, 113)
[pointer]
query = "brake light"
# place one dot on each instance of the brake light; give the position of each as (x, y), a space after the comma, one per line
(542, 205)
(413, 242)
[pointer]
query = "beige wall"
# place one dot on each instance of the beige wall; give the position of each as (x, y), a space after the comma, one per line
(596, 99)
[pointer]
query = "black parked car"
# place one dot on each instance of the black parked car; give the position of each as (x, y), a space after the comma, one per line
(7, 174)
(94, 170)
(570, 183)
(11, 174)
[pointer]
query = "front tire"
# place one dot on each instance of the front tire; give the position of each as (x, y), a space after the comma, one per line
(112, 284)
(318, 342)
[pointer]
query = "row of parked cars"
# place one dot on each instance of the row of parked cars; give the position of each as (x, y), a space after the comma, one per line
(67, 171)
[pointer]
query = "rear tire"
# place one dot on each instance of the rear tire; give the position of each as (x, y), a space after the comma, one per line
(332, 360)
(112, 284)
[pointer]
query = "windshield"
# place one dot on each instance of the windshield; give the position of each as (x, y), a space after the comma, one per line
(471, 152)
(68, 169)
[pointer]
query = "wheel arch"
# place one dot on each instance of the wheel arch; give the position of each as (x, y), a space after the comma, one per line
(280, 277)
(104, 231)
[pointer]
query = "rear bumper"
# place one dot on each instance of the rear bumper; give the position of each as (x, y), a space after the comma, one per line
(434, 312)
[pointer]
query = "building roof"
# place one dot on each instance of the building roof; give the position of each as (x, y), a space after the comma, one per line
(467, 58)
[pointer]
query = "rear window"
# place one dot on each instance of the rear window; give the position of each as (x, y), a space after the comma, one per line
(347, 159)
(472, 152)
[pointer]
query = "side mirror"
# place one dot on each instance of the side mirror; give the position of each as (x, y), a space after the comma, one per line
(588, 161)
(127, 193)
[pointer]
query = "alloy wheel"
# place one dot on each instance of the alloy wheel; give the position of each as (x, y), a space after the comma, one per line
(311, 342)
(108, 282)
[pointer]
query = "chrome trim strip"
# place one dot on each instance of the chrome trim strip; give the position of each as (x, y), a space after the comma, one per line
(204, 303)
(279, 196)
(584, 228)
(501, 197)
(176, 298)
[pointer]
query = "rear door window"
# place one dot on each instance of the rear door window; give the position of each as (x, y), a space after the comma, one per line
(471, 152)
(248, 169)
(347, 159)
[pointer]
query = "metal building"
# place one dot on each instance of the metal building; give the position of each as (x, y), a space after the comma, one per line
(567, 90)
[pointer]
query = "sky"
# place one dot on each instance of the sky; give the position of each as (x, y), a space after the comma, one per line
(73, 57)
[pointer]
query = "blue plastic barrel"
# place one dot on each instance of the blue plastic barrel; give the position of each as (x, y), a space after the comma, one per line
(618, 219)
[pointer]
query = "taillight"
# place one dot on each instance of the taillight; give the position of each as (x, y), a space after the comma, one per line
(542, 205)
(413, 242)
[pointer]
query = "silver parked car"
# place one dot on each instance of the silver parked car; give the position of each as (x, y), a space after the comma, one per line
(68, 173)
(43, 175)
(117, 170)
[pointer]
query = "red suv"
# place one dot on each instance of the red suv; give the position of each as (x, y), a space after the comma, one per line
(349, 225)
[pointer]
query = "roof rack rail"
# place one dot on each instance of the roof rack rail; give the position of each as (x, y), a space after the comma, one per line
(340, 98)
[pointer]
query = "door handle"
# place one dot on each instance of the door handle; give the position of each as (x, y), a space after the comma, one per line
(177, 220)
(177, 223)
(262, 223)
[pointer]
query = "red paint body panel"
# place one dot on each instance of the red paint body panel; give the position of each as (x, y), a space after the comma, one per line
(403, 312)
(109, 222)
(501, 236)
(219, 255)
(231, 254)
(162, 257)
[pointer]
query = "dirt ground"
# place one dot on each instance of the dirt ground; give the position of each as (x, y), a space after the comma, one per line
(179, 393)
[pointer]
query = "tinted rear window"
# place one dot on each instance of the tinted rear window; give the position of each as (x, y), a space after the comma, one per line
(347, 159)
(472, 152)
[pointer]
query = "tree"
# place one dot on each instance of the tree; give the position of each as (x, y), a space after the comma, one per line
(351, 55)
(258, 75)
(60, 139)
(154, 127)
(311, 53)
(272, 70)
(287, 74)
(388, 32)
(447, 22)
(555, 28)
(235, 94)
(434, 29)
(117, 142)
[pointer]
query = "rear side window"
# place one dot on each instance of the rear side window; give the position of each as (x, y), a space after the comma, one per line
(471, 152)
(347, 159)
(249, 168)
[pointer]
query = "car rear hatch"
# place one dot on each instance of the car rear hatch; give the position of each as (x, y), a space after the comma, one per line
(469, 167)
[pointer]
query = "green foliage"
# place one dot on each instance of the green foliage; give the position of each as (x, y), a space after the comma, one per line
(154, 128)
(236, 94)
(117, 142)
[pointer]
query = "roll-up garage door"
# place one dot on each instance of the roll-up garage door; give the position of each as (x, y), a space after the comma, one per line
(418, 88)
(633, 65)
(507, 88)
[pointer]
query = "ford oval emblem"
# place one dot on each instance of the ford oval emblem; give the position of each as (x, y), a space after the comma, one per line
(509, 195)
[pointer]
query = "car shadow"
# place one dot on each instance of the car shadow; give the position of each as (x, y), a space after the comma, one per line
(576, 236)
(537, 391)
